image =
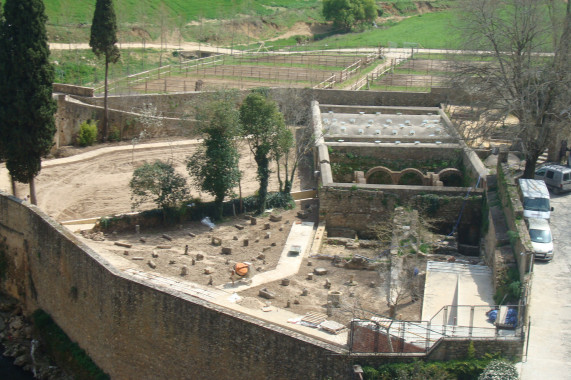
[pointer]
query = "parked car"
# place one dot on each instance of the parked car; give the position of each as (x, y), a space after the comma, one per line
(534, 198)
(556, 177)
(541, 239)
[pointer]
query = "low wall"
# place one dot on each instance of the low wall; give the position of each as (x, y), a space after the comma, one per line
(134, 330)
(72, 113)
(70, 89)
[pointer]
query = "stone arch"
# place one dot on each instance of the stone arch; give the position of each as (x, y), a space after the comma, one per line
(450, 177)
(381, 169)
(415, 171)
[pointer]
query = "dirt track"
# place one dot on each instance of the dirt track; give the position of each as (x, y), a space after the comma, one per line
(81, 186)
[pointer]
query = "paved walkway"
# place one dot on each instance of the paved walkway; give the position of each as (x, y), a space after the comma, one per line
(549, 351)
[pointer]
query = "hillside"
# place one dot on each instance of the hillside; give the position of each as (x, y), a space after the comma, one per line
(218, 22)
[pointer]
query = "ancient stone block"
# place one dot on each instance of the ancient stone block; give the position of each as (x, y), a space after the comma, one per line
(275, 218)
(199, 256)
(208, 270)
(268, 235)
(152, 264)
(285, 282)
(155, 255)
(184, 270)
(226, 250)
(124, 245)
(253, 221)
(320, 271)
(239, 226)
(246, 242)
(265, 293)
(267, 226)
(167, 237)
(216, 241)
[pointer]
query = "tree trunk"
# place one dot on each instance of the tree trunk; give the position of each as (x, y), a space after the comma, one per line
(263, 176)
(531, 160)
(105, 110)
(14, 188)
(219, 207)
(33, 199)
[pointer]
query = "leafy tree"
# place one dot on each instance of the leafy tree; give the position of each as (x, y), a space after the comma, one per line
(27, 124)
(346, 14)
(514, 88)
(157, 182)
(102, 41)
(214, 167)
(261, 124)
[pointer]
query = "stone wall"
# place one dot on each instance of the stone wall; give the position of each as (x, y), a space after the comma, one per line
(371, 204)
(134, 330)
(72, 113)
(456, 348)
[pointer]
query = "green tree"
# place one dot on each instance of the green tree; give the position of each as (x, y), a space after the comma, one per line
(157, 182)
(103, 43)
(346, 14)
(261, 123)
(27, 124)
(214, 166)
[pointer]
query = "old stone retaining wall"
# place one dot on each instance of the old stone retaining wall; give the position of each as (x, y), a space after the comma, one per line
(360, 208)
(134, 330)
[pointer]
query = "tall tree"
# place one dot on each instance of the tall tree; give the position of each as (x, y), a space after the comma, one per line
(523, 80)
(27, 124)
(261, 124)
(103, 43)
(214, 167)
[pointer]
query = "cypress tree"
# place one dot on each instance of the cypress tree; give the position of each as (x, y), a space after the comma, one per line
(27, 124)
(102, 41)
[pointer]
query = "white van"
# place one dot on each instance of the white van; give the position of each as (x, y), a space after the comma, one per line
(541, 239)
(535, 199)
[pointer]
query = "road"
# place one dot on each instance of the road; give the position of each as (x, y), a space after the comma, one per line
(550, 334)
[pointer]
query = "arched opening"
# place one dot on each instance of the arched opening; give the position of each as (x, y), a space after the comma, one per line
(451, 177)
(380, 178)
(411, 177)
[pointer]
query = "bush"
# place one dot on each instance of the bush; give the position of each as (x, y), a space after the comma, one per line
(114, 134)
(499, 370)
(87, 133)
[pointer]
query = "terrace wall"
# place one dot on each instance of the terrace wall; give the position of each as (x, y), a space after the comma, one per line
(134, 330)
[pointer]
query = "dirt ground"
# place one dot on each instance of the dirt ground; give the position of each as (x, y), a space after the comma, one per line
(99, 186)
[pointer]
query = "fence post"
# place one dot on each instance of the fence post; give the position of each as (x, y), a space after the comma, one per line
(471, 321)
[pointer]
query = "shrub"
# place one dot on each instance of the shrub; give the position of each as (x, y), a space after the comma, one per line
(499, 370)
(87, 133)
(114, 134)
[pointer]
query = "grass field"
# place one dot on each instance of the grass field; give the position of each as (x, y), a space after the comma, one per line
(81, 11)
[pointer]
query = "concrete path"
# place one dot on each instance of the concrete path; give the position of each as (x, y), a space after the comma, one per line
(549, 351)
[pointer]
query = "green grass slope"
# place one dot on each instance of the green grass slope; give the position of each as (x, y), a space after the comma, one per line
(130, 11)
